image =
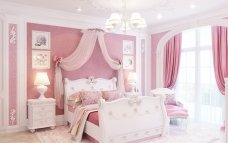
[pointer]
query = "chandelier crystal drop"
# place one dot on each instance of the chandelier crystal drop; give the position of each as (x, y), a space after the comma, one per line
(122, 21)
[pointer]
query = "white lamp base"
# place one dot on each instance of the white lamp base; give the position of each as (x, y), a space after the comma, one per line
(42, 89)
(133, 87)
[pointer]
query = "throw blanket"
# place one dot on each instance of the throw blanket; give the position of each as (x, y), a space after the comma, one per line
(80, 116)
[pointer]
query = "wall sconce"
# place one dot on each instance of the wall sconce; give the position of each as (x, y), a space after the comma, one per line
(41, 81)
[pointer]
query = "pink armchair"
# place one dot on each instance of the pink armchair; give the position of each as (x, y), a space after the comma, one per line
(174, 108)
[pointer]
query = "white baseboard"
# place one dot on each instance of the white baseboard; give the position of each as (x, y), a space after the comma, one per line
(60, 120)
(14, 129)
(11, 129)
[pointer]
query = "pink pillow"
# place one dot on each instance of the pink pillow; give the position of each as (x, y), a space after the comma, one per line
(111, 95)
(90, 97)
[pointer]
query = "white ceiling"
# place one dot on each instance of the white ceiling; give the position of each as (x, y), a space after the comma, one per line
(170, 9)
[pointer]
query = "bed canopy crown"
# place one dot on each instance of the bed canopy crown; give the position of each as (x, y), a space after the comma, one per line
(79, 57)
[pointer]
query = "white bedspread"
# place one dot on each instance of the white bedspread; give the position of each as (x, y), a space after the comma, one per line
(80, 116)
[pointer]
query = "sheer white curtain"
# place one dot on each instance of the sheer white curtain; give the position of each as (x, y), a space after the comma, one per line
(196, 85)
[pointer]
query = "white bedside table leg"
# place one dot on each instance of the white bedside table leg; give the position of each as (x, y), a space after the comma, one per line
(32, 130)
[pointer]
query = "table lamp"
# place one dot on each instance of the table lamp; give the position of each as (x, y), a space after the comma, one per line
(41, 81)
(132, 78)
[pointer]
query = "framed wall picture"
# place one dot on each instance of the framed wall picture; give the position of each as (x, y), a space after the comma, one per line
(41, 40)
(40, 59)
(128, 62)
(128, 47)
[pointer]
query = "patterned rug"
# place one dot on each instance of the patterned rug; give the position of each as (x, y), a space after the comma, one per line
(194, 134)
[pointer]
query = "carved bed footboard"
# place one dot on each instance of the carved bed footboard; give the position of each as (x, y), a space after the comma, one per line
(130, 119)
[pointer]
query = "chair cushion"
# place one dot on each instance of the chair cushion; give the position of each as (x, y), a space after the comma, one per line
(177, 114)
(175, 108)
(176, 111)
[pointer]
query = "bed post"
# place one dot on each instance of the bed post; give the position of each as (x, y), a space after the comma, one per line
(66, 81)
(166, 118)
(101, 119)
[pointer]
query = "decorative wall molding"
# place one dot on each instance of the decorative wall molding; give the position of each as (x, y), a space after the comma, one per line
(25, 10)
(148, 65)
(5, 73)
(193, 20)
(56, 18)
(138, 63)
(12, 117)
(12, 86)
(22, 73)
(174, 31)
(139, 71)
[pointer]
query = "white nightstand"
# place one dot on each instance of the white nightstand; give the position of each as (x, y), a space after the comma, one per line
(41, 113)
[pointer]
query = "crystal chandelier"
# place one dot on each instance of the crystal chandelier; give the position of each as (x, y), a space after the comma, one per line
(122, 21)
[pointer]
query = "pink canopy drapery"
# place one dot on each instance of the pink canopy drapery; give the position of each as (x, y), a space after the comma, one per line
(220, 55)
(79, 57)
(172, 54)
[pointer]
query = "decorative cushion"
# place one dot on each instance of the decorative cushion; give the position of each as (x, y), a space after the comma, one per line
(74, 97)
(90, 97)
(111, 95)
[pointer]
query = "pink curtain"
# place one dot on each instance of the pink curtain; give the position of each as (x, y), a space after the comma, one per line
(79, 57)
(172, 54)
(220, 55)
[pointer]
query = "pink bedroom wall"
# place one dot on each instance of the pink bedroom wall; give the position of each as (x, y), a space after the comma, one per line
(155, 38)
(63, 42)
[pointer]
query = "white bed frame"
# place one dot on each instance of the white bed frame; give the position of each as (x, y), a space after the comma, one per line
(86, 84)
(122, 120)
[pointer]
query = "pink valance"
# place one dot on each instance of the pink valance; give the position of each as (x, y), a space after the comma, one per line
(79, 57)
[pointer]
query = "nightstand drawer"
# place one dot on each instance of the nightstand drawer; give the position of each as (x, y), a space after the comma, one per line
(46, 109)
(44, 123)
(42, 115)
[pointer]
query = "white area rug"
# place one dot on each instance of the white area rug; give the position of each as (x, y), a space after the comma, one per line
(194, 134)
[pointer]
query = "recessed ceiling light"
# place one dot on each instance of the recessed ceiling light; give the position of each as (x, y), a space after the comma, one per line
(79, 9)
(159, 16)
(192, 6)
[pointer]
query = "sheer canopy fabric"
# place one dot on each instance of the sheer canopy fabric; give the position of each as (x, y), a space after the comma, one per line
(172, 60)
(220, 55)
(79, 57)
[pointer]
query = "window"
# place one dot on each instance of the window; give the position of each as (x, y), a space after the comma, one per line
(196, 85)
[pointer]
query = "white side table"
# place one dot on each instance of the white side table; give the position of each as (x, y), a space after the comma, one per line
(41, 113)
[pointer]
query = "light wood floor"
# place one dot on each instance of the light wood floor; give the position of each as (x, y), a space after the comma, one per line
(19, 137)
